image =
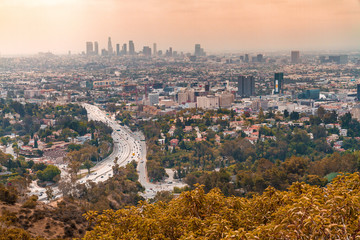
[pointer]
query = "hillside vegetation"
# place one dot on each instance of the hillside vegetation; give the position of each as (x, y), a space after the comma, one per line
(302, 212)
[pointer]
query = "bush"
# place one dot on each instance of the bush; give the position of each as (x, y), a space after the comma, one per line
(8, 196)
(31, 202)
(14, 234)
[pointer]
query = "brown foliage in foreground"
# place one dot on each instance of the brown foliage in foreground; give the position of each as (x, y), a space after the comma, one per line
(302, 212)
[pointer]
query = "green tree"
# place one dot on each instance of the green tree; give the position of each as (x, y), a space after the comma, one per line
(49, 173)
(88, 165)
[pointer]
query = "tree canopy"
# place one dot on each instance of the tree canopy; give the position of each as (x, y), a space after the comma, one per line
(302, 212)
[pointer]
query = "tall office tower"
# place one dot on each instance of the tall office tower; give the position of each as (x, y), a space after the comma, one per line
(104, 52)
(260, 58)
(247, 58)
(278, 82)
(110, 48)
(89, 48)
(154, 49)
(170, 52)
(117, 49)
(246, 86)
(295, 57)
(96, 52)
(124, 49)
(207, 87)
(131, 48)
(197, 50)
(358, 92)
(147, 51)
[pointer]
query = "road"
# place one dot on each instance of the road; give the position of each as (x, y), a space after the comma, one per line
(128, 146)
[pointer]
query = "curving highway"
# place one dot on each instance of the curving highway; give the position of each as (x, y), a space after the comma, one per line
(128, 146)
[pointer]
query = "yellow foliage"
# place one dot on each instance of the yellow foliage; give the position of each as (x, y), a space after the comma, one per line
(302, 212)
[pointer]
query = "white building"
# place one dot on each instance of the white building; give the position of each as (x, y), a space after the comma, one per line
(208, 102)
(153, 98)
(226, 99)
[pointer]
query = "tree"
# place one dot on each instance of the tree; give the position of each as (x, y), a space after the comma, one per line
(318, 132)
(88, 165)
(111, 107)
(16, 148)
(261, 115)
(294, 115)
(8, 194)
(74, 167)
(302, 212)
(321, 112)
(35, 143)
(49, 193)
(286, 113)
(49, 173)
(345, 120)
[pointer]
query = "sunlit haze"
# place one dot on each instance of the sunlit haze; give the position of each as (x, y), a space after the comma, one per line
(60, 26)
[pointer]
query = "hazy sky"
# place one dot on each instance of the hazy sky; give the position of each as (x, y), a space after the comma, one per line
(29, 26)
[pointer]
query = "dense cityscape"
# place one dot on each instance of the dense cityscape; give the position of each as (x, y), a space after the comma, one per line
(102, 131)
(175, 120)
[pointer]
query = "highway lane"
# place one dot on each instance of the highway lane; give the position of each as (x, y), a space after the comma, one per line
(128, 146)
(133, 147)
(124, 148)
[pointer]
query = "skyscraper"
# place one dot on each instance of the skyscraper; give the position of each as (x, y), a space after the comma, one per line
(246, 86)
(199, 51)
(96, 52)
(260, 58)
(117, 49)
(246, 58)
(124, 49)
(154, 49)
(278, 82)
(131, 47)
(358, 92)
(147, 51)
(207, 87)
(295, 57)
(110, 48)
(89, 48)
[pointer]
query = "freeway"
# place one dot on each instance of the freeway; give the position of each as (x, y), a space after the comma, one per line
(128, 146)
(125, 148)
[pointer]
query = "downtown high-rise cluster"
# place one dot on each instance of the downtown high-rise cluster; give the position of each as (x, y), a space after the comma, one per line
(92, 49)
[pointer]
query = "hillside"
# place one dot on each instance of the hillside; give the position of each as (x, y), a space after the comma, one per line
(303, 212)
(63, 221)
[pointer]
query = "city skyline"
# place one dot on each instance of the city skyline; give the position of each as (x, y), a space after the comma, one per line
(59, 26)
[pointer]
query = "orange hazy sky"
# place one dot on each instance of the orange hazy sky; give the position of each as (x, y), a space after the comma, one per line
(30, 26)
